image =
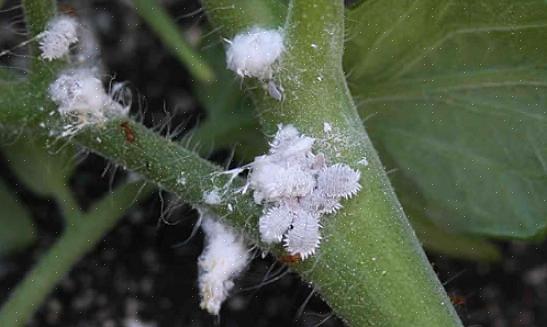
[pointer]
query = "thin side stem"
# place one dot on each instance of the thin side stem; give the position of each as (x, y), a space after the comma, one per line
(156, 158)
(37, 15)
(69, 206)
(66, 252)
(164, 26)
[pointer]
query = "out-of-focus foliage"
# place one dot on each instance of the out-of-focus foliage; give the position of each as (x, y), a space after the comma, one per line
(455, 97)
(16, 228)
(44, 170)
(229, 121)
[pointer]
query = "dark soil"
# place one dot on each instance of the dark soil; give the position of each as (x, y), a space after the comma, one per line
(137, 277)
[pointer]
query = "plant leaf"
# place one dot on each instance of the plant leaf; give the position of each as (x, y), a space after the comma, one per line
(439, 241)
(44, 170)
(454, 97)
(230, 120)
(17, 230)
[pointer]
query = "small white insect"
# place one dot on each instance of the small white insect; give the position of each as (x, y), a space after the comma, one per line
(275, 223)
(327, 128)
(181, 180)
(339, 180)
(224, 258)
(81, 97)
(60, 34)
(290, 148)
(253, 53)
(318, 202)
(285, 134)
(212, 197)
(79, 92)
(273, 181)
(304, 237)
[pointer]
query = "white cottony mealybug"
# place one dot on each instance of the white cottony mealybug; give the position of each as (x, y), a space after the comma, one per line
(297, 187)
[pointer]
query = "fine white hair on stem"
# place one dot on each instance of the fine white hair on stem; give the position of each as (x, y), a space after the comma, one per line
(82, 100)
(253, 53)
(224, 258)
(61, 32)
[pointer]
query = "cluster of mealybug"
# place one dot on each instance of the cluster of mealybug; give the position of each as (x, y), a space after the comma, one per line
(82, 101)
(297, 187)
(78, 92)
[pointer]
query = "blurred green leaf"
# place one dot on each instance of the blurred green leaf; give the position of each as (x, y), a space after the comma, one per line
(439, 241)
(45, 170)
(229, 121)
(16, 228)
(454, 97)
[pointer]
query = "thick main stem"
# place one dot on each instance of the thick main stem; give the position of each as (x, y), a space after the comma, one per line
(370, 267)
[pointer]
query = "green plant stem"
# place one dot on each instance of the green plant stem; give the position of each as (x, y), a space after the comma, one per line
(164, 26)
(37, 15)
(67, 251)
(157, 159)
(235, 16)
(8, 76)
(69, 206)
(370, 267)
